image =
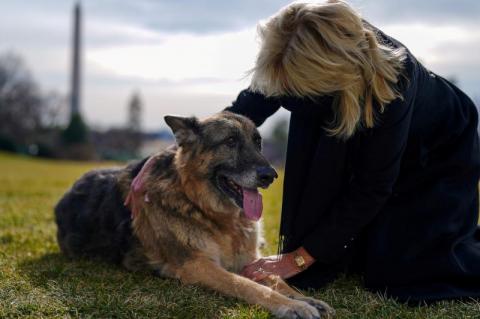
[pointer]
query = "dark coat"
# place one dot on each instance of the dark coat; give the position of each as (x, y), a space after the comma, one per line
(398, 203)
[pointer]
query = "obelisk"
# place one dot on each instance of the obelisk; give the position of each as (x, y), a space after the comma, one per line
(75, 89)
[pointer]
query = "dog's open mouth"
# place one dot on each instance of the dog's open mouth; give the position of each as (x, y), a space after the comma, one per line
(248, 199)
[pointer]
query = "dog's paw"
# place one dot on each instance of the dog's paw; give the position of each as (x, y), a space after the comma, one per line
(297, 309)
(323, 308)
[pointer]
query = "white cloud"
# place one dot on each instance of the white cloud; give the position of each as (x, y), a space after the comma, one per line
(423, 40)
(181, 56)
(180, 74)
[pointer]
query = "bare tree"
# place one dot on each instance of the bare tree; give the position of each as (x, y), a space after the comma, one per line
(24, 111)
(275, 146)
(55, 110)
(20, 100)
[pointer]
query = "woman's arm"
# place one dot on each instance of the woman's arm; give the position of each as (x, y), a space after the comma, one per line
(375, 170)
(255, 106)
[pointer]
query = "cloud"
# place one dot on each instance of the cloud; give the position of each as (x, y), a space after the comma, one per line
(189, 56)
(433, 12)
(192, 16)
(461, 61)
(182, 56)
(450, 51)
(213, 16)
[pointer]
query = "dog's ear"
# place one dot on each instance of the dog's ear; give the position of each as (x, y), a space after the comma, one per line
(185, 129)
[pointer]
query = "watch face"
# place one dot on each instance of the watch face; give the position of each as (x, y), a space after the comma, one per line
(299, 261)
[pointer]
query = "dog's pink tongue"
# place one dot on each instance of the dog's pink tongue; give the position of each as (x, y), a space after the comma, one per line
(252, 204)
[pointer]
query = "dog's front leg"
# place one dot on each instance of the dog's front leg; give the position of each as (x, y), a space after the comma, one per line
(205, 272)
(279, 285)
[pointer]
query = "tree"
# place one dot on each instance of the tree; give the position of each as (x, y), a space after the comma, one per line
(25, 112)
(55, 113)
(76, 132)
(20, 101)
(275, 145)
(279, 135)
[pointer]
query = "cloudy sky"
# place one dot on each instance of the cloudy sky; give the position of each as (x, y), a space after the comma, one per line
(191, 56)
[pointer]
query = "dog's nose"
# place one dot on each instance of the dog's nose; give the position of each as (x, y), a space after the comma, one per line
(266, 175)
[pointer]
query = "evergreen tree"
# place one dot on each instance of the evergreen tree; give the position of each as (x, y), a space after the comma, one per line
(76, 132)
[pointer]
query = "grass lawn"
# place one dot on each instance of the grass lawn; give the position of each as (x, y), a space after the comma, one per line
(36, 281)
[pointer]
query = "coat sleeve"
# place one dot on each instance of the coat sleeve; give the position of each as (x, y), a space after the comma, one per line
(376, 165)
(255, 106)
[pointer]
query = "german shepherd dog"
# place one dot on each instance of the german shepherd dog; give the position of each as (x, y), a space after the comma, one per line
(189, 213)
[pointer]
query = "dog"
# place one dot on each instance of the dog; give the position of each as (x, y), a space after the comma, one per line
(190, 212)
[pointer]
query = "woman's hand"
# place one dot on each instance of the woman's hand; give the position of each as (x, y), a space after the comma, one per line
(283, 265)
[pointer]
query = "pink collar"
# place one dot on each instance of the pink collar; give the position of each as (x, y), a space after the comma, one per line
(134, 196)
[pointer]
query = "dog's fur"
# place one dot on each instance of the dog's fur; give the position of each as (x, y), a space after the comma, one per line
(189, 228)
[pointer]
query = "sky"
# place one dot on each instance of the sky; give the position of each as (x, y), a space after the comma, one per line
(191, 57)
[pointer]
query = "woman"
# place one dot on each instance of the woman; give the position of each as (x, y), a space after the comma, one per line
(383, 158)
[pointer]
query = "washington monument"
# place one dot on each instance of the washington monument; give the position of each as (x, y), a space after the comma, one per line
(75, 89)
(76, 132)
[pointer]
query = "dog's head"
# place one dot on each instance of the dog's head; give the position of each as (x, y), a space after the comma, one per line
(220, 162)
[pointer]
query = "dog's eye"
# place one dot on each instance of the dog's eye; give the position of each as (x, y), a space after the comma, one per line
(231, 142)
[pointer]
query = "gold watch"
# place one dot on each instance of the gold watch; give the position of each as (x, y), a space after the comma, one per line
(299, 261)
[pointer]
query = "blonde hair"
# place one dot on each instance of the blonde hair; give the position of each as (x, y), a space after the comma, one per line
(311, 49)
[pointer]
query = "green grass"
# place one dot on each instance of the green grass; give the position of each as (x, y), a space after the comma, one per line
(36, 281)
